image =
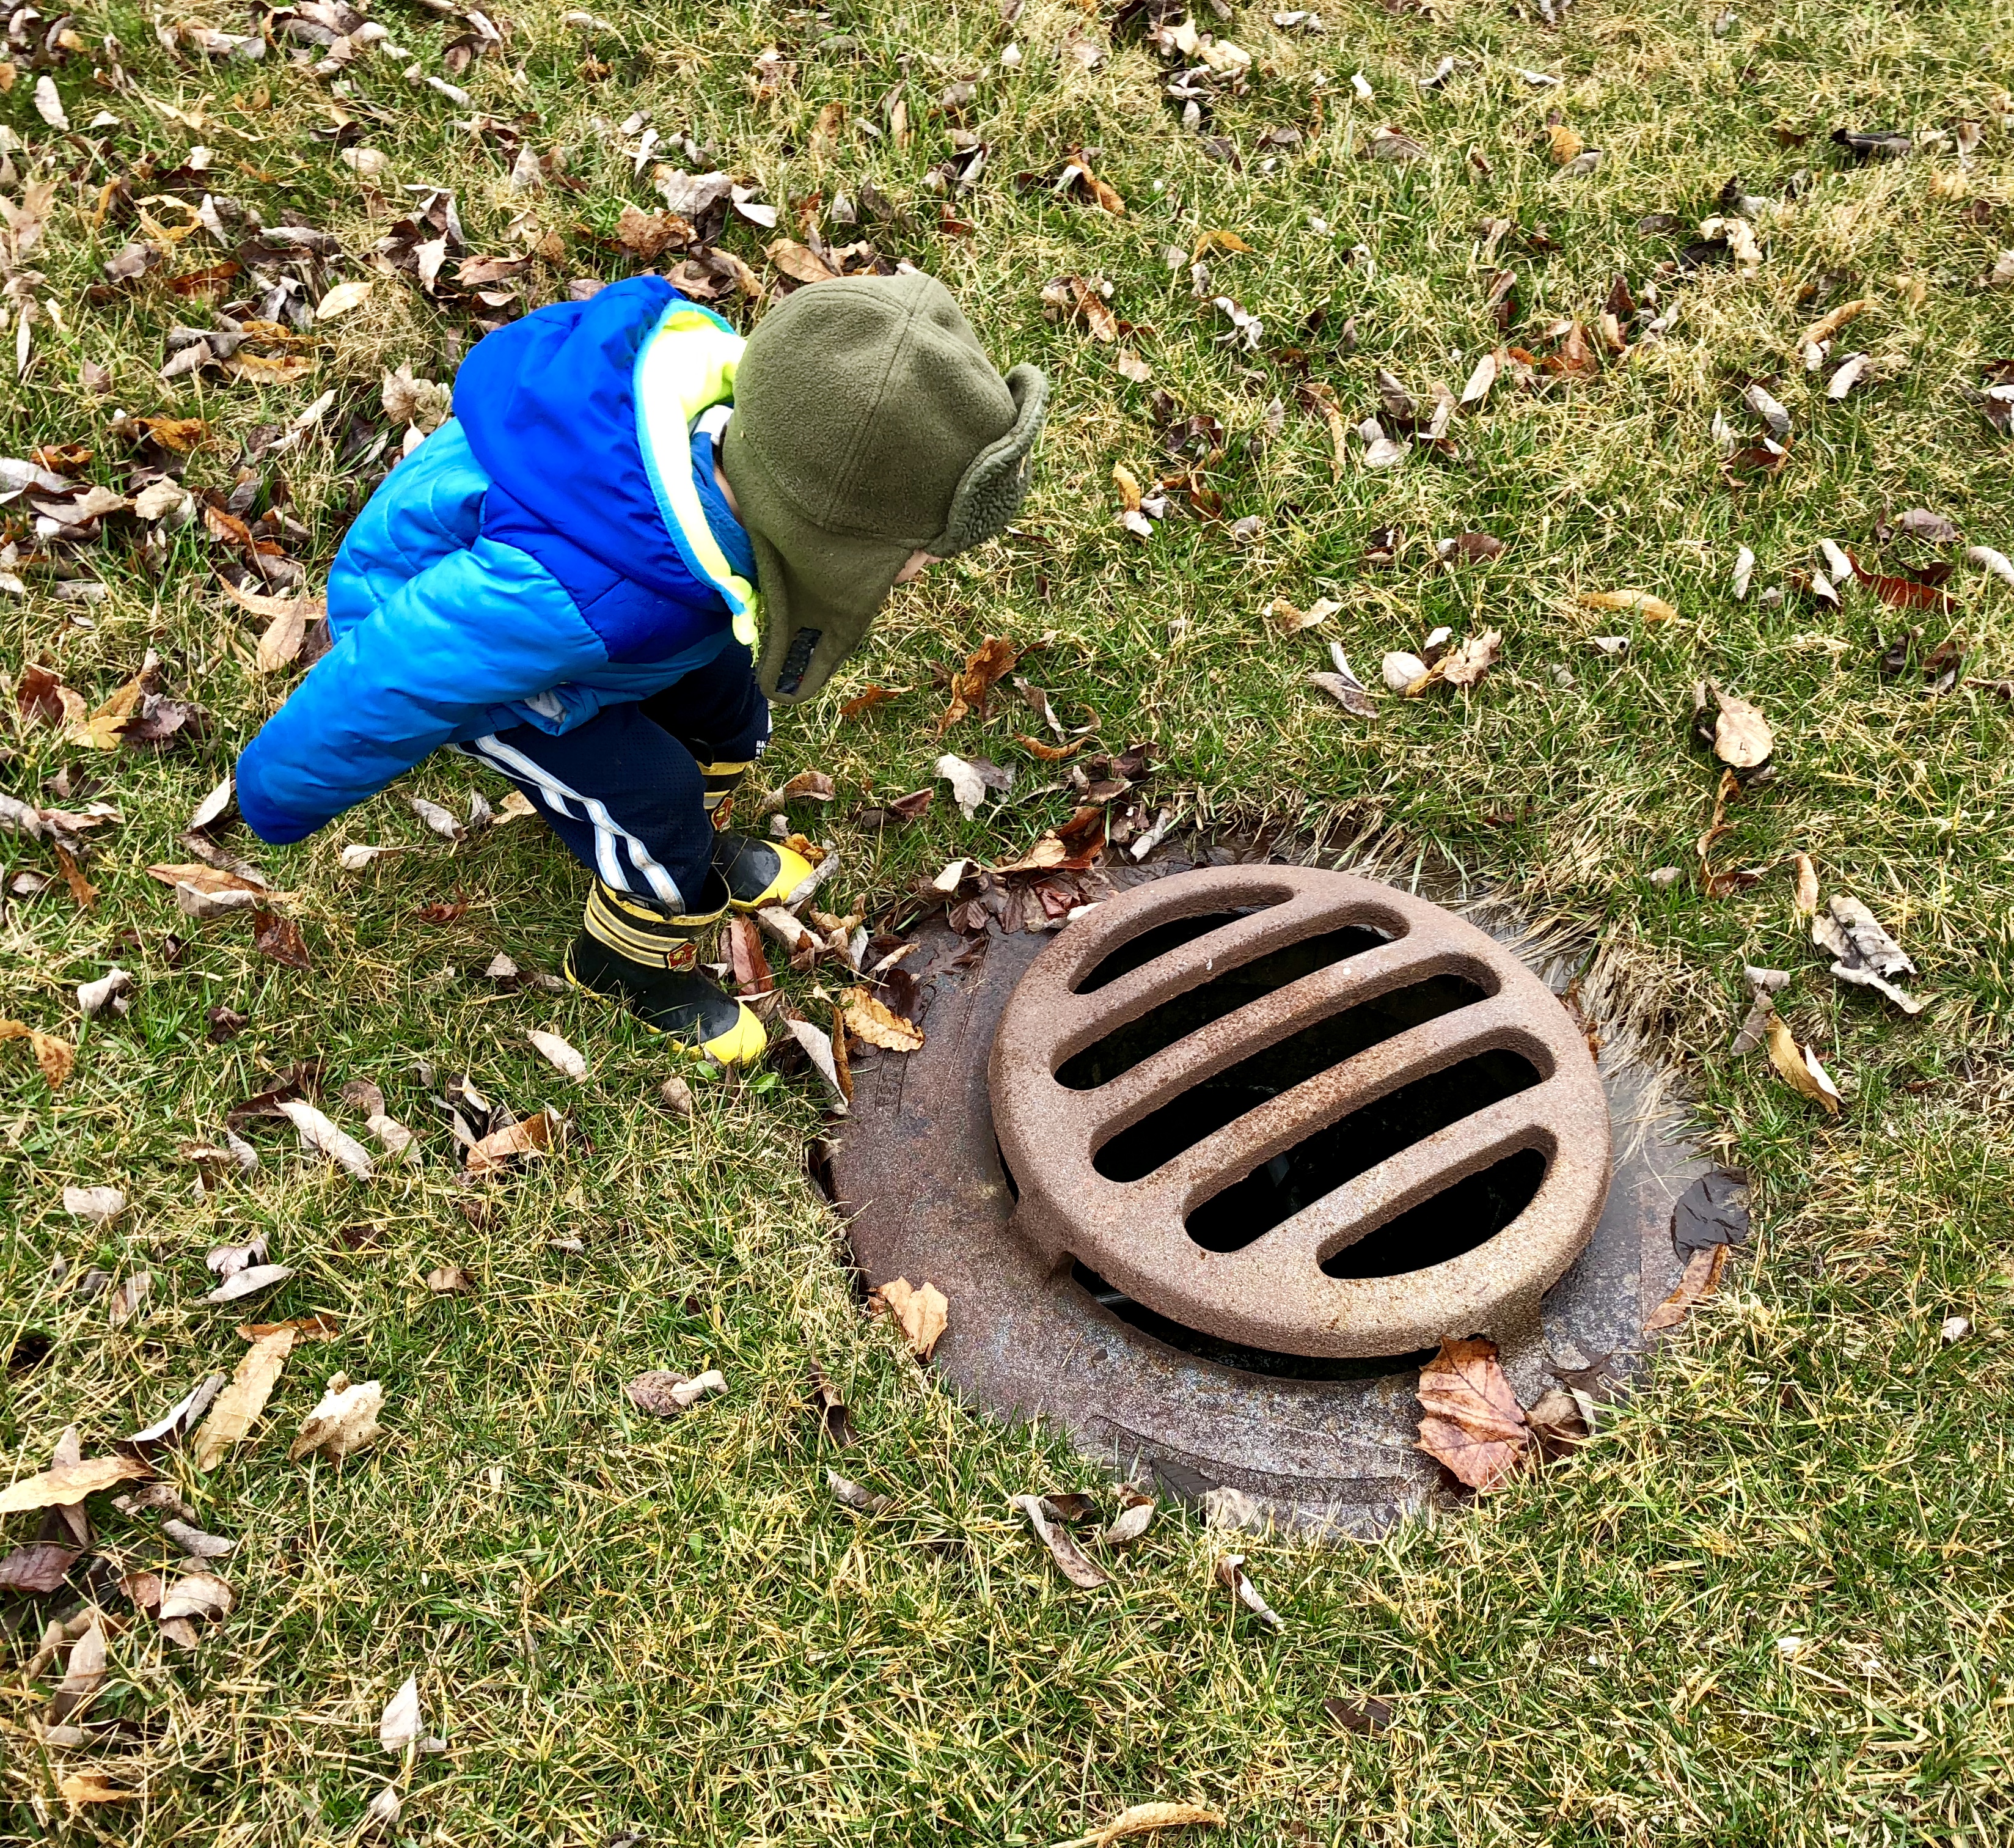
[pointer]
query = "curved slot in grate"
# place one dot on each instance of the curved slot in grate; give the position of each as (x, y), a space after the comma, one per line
(1142, 949)
(1262, 1361)
(1159, 1028)
(1457, 1219)
(1320, 1163)
(1205, 1108)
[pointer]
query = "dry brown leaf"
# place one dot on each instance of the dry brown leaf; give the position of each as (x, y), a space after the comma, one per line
(1826, 325)
(666, 1395)
(995, 658)
(866, 700)
(532, 1136)
(80, 1787)
(68, 1484)
(1799, 1068)
(1140, 1819)
(1563, 144)
(1070, 1559)
(557, 1052)
(870, 1020)
(239, 1405)
(309, 608)
(308, 1328)
(1702, 1275)
(746, 959)
(345, 1421)
(56, 1057)
(1742, 739)
(1639, 603)
(920, 1312)
(280, 640)
(1807, 899)
(1468, 664)
(450, 1280)
(800, 262)
(1470, 1420)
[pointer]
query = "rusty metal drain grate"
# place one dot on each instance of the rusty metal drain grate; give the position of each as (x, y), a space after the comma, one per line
(1120, 1084)
(1264, 1135)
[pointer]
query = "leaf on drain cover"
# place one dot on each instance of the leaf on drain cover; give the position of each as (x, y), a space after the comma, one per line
(921, 1312)
(1799, 1068)
(870, 1020)
(1069, 1562)
(851, 1494)
(1470, 1420)
(1702, 1275)
(1231, 1573)
(1141, 1819)
(1368, 1715)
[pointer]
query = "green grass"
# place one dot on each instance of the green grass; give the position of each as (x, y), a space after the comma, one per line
(618, 1623)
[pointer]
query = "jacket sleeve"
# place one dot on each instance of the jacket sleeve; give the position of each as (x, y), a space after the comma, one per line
(481, 627)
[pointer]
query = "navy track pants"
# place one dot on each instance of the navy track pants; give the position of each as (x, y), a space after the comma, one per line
(626, 791)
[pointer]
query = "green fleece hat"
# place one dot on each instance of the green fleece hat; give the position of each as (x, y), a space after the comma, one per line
(869, 424)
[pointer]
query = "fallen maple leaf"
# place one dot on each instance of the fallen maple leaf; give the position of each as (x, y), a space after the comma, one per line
(994, 660)
(1472, 1422)
(921, 1312)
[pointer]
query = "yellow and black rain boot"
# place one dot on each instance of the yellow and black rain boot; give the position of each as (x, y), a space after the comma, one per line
(720, 779)
(758, 873)
(640, 957)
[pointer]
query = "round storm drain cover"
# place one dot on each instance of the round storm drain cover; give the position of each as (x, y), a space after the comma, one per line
(1206, 1175)
(1301, 1111)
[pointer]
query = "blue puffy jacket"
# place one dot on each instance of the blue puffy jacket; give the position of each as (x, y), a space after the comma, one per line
(559, 546)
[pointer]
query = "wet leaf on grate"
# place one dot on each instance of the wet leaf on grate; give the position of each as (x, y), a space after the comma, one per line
(1701, 1277)
(1472, 1422)
(345, 1421)
(1365, 1714)
(1071, 1563)
(1231, 1573)
(1142, 1819)
(239, 1405)
(921, 1312)
(1799, 1068)
(869, 1020)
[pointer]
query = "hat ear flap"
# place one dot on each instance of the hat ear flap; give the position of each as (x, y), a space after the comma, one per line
(990, 490)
